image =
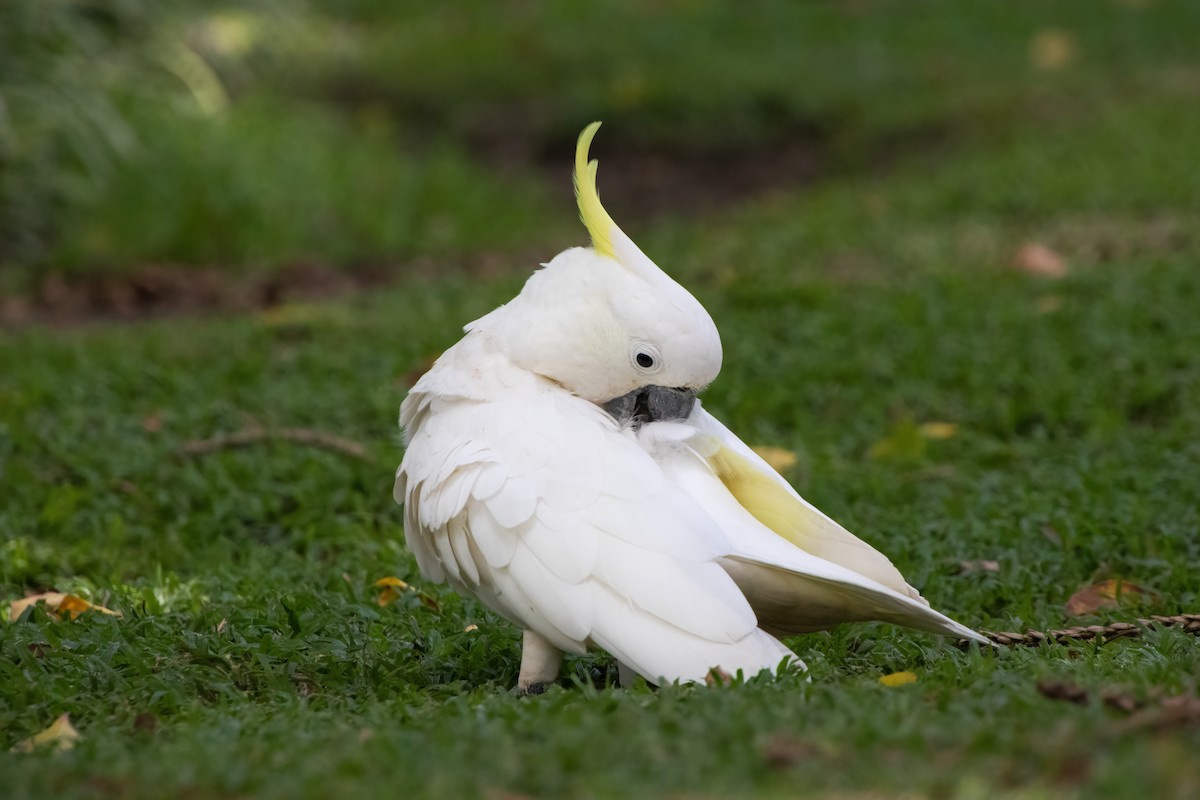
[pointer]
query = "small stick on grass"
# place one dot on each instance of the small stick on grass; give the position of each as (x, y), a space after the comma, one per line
(253, 436)
(1188, 623)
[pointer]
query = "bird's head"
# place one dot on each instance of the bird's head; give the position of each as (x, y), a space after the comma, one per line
(607, 324)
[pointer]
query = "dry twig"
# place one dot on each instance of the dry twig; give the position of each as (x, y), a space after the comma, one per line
(1188, 623)
(252, 436)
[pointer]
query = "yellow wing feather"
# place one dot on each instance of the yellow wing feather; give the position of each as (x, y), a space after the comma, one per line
(595, 218)
(764, 496)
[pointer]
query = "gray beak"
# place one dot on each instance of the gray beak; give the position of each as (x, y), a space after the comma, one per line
(652, 404)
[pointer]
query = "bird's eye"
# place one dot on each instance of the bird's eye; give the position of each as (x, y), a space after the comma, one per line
(644, 356)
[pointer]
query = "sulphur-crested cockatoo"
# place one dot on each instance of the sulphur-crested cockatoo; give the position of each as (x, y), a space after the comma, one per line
(560, 469)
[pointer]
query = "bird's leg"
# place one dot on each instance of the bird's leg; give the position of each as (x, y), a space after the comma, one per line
(540, 662)
(625, 675)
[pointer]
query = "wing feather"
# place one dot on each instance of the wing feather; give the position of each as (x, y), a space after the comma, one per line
(772, 501)
(571, 529)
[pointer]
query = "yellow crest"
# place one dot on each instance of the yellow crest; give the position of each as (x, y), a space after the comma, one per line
(595, 218)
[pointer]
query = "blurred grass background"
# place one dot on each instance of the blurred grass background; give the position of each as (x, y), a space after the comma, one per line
(256, 134)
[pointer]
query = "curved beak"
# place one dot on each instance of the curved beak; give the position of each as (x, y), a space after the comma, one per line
(652, 404)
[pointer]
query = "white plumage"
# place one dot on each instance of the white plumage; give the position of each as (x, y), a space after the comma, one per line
(666, 542)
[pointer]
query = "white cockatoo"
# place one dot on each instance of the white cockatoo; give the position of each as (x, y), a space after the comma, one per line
(560, 469)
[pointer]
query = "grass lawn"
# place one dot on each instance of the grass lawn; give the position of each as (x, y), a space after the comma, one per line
(253, 658)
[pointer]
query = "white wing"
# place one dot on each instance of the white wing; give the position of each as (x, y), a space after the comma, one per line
(800, 570)
(541, 507)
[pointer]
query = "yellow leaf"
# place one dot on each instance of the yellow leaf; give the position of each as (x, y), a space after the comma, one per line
(938, 430)
(392, 587)
(470, 628)
(898, 679)
(61, 734)
(57, 604)
(778, 458)
(387, 596)
(391, 580)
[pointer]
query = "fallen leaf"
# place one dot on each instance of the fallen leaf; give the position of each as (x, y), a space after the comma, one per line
(152, 422)
(938, 430)
(1111, 593)
(1052, 534)
(393, 587)
(777, 458)
(470, 628)
(1038, 259)
(1052, 49)
(57, 604)
(978, 565)
(898, 679)
(61, 735)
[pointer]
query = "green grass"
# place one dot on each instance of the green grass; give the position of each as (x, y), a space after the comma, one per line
(252, 658)
(252, 134)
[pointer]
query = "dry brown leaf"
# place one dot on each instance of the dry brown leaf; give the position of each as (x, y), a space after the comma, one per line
(1052, 49)
(1111, 593)
(61, 735)
(57, 604)
(777, 458)
(898, 679)
(1038, 259)
(152, 422)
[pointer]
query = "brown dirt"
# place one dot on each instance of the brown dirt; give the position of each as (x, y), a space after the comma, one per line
(159, 290)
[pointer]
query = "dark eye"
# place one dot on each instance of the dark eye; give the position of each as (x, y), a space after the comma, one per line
(645, 360)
